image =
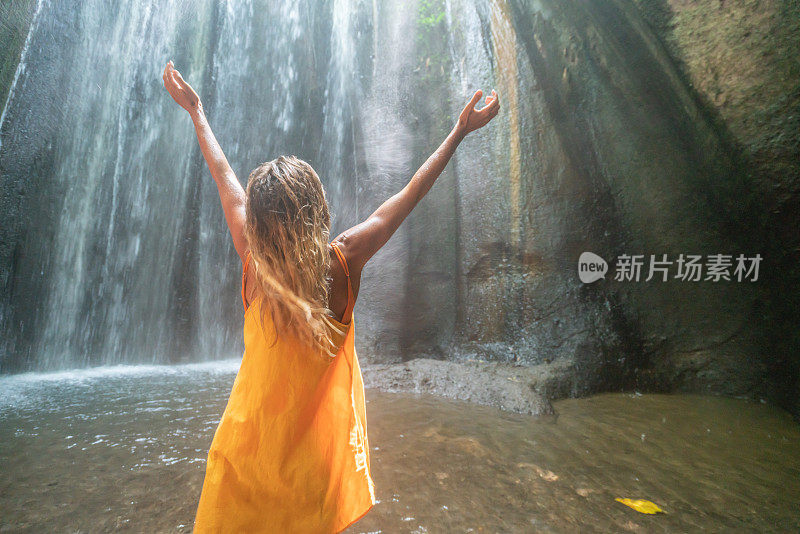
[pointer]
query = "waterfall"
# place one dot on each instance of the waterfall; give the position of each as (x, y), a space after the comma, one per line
(114, 246)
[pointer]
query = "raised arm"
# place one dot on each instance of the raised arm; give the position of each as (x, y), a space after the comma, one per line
(362, 241)
(231, 193)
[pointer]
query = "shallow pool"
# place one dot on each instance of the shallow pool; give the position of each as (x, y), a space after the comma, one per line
(124, 448)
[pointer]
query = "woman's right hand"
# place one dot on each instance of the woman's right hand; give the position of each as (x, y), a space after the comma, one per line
(472, 119)
(179, 89)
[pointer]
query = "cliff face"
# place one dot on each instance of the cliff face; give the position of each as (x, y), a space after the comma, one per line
(739, 56)
(114, 247)
(607, 150)
(16, 21)
(740, 59)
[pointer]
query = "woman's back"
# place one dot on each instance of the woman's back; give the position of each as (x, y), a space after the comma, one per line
(341, 283)
(292, 443)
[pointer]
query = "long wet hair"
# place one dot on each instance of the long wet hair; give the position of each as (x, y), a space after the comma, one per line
(287, 230)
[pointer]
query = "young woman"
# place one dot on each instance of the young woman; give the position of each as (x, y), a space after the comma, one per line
(291, 452)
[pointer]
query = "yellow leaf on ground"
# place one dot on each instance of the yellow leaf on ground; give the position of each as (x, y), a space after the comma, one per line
(641, 505)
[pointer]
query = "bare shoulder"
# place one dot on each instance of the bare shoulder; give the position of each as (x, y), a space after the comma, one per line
(349, 250)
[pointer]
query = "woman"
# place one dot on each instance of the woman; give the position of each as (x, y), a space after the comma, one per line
(291, 452)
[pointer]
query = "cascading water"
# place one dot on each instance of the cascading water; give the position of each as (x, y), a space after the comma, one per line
(114, 247)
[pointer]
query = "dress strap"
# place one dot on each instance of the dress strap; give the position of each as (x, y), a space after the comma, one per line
(244, 279)
(350, 300)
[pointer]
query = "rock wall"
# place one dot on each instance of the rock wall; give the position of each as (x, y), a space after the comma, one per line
(739, 57)
(16, 17)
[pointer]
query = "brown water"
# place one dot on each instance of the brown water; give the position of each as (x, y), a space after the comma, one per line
(124, 449)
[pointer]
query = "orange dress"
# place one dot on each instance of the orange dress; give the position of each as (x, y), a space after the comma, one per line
(290, 453)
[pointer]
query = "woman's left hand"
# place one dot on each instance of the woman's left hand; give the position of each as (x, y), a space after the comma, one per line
(180, 91)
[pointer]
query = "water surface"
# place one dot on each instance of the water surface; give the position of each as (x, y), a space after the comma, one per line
(124, 448)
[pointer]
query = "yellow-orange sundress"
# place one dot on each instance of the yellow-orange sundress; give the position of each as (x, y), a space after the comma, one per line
(290, 453)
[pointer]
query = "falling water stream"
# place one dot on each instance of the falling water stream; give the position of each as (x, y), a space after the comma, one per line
(114, 246)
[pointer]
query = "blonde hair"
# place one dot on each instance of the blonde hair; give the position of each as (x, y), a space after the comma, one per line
(287, 230)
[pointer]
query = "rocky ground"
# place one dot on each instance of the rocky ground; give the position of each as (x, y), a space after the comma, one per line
(516, 388)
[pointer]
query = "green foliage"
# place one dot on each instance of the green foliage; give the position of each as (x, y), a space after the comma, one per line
(430, 12)
(433, 63)
(431, 40)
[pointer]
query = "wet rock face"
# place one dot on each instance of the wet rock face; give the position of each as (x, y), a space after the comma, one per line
(115, 250)
(16, 19)
(739, 57)
(603, 149)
